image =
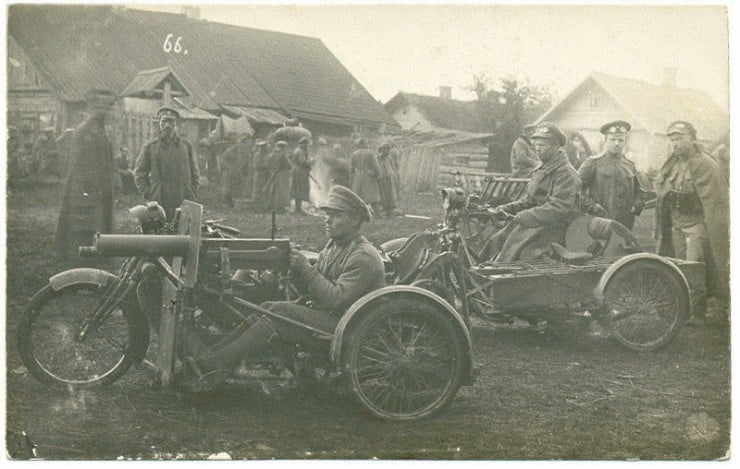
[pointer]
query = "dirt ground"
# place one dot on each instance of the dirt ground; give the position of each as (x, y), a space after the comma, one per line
(540, 395)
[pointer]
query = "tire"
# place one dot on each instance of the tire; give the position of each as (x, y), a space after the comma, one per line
(405, 359)
(46, 342)
(645, 305)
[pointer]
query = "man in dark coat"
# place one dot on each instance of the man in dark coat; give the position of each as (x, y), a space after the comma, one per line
(87, 203)
(365, 174)
(549, 204)
(692, 210)
(347, 268)
(277, 187)
(388, 179)
(166, 170)
(609, 184)
(523, 157)
(300, 186)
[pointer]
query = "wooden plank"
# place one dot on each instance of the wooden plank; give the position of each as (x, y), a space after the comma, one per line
(167, 327)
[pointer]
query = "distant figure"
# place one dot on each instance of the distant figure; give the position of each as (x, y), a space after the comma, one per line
(87, 203)
(340, 172)
(277, 187)
(166, 170)
(523, 157)
(300, 186)
(395, 155)
(124, 174)
(388, 180)
(261, 174)
(692, 210)
(577, 149)
(45, 153)
(230, 166)
(609, 184)
(365, 173)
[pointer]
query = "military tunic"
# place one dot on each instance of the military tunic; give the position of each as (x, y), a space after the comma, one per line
(611, 181)
(166, 171)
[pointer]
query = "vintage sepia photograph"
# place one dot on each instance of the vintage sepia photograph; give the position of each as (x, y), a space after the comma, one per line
(462, 232)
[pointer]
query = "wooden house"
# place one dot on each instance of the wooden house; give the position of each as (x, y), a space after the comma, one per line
(58, 52)
(601, 98)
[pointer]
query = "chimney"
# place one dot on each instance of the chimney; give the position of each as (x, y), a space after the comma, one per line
(191, 12)
(669, 77)
(445, 92)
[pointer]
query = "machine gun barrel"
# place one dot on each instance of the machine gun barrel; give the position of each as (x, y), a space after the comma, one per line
(137, 245)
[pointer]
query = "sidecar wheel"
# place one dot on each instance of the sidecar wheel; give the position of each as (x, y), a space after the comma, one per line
(645, 305)
(404, 360)
(49, 347)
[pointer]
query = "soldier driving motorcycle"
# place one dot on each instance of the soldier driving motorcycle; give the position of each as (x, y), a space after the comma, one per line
(348, 267)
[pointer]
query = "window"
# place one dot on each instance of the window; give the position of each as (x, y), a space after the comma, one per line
(593, 98)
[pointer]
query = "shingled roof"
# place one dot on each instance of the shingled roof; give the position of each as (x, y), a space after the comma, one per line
(78, 47)
(443, 113)
(654, 107)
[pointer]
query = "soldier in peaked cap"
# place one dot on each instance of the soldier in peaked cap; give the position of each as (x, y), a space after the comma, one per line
(166, 170)
(87, 203)
(691, 213)
(609, 184)
(365, 174)
(347, 268)
(549, 203)
(523, 157)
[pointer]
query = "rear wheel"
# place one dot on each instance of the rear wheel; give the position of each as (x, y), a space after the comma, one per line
(645, 305)
(53, 351)
(405, 359)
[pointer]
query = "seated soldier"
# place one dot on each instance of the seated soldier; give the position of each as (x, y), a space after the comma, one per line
(549, 203)
(347, 268)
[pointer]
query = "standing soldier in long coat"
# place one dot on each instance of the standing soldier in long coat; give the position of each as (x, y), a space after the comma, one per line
(277, 187)
(609, 183)
(692, 210)
(87, 203)
(365, 173)
(300, 186)
(388, 173)
(166, 170)
(340, 172)
(230, 165)
(260, 175)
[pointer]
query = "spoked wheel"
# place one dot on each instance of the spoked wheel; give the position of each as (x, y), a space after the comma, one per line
(53, 350)
(405, 360)
(646, 305)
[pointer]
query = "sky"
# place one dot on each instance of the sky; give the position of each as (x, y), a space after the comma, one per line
(417, 48)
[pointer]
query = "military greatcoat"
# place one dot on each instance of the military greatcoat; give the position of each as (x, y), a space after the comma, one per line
(549, 203)
(611, 181)
(166, 171)
(523, 158)
(365, 173)
(300, 186)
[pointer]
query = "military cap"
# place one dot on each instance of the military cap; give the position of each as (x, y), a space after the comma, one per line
(344, 200)
(281, 144)
(615, 128)
(322, 141)
(529, 127)
(681, 127)
(303, 140)
(100, 96)
(548, 130)
(260, 143)
(361, 142)
(168, 112)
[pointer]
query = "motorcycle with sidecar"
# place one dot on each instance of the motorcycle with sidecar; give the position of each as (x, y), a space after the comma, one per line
(402, 351)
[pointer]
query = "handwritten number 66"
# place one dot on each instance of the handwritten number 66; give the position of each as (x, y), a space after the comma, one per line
(168, 47)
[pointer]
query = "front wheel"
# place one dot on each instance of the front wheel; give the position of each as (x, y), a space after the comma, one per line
(52, 349)
(645, 305)
(405, 360)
